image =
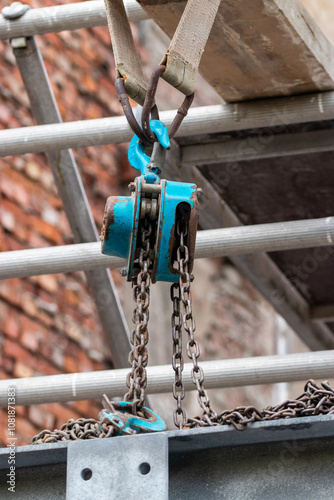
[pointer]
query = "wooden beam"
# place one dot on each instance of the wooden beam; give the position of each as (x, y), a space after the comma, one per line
(323, 312)
(262, 48)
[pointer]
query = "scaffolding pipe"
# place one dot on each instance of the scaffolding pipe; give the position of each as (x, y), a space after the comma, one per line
(64, 17)
(218, 374)
(202, 120)
(210, 243)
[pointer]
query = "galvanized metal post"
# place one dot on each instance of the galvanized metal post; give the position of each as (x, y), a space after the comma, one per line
(71, 191)
(201, 120)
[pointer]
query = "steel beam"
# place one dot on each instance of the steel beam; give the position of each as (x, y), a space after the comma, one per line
(76, 206)
(286, 458)
(202, 120)
(210, 243)
(258, 268)
(323, 312)
(64, 17)
(268, 146)
(218, 374)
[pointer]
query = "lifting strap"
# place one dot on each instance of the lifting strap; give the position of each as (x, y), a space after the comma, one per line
(187, 46)
(182, 57)
(127, 61)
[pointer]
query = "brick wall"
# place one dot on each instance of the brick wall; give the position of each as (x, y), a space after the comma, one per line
(49, 324)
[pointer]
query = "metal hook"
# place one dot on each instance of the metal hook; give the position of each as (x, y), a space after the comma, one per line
(140, 160)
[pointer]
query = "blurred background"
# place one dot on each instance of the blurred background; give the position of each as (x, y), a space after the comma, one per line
(49, 324)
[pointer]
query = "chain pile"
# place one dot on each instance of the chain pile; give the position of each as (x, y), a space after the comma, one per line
(315, 400)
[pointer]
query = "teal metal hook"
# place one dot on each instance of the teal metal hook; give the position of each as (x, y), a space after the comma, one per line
(138, 158)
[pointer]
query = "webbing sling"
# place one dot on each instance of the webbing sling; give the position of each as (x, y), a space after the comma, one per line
(127, 61)
(182, 57)
(187, 46)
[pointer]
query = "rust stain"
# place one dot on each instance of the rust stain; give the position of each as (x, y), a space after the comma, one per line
(192, 232)
(108, 219)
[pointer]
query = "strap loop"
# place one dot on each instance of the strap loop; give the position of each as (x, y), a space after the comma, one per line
(150, 107)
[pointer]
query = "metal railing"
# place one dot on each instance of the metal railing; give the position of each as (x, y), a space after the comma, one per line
(202, 120)
(64, 17)
(218, 374)
(210, 243)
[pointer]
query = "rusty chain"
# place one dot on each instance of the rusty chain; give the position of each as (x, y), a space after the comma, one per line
(179, 414)
(315, 400)
(138, 357)
(181, 296)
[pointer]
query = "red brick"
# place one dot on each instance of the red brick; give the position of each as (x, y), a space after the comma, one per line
(12, 323)
(71, 365)
(25, 431)
(72, 298)
(13, 350)
(41, 417)
(48, 282)
(22, 370)
(8, 365)
(86, 364)
(32, 334)
(28, 304)
(61, 413)
(85, 408)
(4, 375)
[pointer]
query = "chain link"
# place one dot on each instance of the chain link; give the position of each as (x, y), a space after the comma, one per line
(138, 357)
(177, 359)
(182, 311)
(315, 400)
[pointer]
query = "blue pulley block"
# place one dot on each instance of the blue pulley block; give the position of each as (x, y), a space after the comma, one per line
(164, 202)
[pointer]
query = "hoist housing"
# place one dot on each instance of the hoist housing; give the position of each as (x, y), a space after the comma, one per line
(164, 202)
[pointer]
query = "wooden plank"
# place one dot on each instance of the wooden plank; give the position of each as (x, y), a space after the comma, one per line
(262, 48)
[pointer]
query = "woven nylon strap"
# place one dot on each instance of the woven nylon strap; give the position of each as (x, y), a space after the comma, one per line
(127, 61)
(182, 57)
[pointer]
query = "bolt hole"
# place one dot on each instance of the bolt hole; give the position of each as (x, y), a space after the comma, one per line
(86, 474)
(144, 468)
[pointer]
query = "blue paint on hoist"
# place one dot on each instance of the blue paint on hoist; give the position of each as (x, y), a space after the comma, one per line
(125, 422)
(164, 202)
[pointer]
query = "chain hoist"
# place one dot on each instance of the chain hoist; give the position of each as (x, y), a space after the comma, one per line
(155, 230)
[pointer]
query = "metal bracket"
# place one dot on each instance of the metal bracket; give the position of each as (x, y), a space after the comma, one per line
(121, 467)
